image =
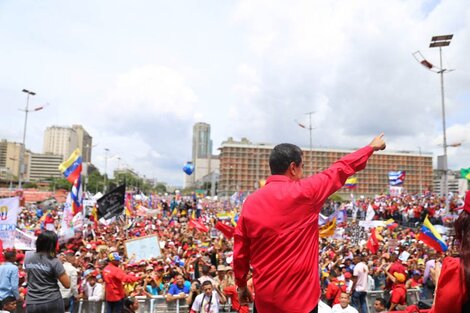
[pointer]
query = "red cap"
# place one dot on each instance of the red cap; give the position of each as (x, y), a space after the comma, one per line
(347, 275)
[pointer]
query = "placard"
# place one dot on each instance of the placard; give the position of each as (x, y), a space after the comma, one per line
(143, 248)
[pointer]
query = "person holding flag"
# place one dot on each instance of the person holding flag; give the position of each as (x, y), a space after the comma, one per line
(453, 278)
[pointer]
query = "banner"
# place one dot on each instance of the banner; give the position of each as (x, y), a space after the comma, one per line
(24, 241)
(9, 208)
(112, 203)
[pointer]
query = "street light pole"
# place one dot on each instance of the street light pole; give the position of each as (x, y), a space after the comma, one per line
(310, 132)
(420, 165)
(106, 150)
(23, 149)
(439, 42)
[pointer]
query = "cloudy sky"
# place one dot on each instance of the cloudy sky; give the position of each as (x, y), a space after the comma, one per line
(138, 74)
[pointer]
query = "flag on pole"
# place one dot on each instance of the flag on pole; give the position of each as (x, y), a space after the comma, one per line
(373, 242)
(396, 178)
(112, 203)
(351, 183)
(430, 236)
(370, 213)
(465, 173)
(227, 230)
(72, 171)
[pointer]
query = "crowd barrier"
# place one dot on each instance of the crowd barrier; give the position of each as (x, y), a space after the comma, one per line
(156, 304)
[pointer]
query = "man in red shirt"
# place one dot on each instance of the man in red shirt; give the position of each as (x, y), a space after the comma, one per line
(277, 231)
(114, 277)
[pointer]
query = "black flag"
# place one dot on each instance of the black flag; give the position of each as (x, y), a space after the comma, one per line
(112, 203)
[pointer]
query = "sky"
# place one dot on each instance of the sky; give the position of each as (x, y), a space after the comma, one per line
(138, 74)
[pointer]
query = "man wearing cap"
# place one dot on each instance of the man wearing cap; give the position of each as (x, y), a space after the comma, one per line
(277, 232)
(398, 293)
(69, 295)
(114, 277)
(93, 292)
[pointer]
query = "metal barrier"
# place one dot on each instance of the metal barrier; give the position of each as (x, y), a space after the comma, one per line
(156, 304)
(412, 297)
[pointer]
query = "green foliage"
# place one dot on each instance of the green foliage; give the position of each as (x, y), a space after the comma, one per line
(30, 185)
(336, 197)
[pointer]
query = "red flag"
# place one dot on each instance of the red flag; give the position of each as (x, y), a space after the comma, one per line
(227, 230)
(197, 224)
(373, 242)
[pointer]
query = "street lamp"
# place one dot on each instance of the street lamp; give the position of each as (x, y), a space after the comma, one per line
(26, 110)
(310, 130)
(106, 150)
(439, 42)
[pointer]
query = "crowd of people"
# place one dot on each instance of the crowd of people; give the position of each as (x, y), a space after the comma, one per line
(195, 266)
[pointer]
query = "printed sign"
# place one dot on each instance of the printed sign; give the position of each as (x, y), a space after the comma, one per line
(143, 248)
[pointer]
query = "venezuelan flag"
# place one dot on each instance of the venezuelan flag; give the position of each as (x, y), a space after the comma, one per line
(72, 167)
(431, 237)
(72, 171)
(351, 183)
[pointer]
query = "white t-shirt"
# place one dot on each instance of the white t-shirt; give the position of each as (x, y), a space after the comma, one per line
(338, 309)
(361, 271)
(201, 303)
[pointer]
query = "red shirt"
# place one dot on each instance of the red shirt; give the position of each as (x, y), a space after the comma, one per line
(277, 233)
(451, 291)
(114, 277)
(333, 291)
(231, 292)
(398, 294)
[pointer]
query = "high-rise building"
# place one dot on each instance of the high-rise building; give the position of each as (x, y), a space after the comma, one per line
(63, 141)
(43, 166)
(10, 153)
(84, 142)
(204, 162)
(202, 143)
(243, 165)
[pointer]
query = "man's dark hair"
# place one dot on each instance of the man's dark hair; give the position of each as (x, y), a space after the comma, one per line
(205, 270)
(382, 302)
(8, 299)
(47, 242)
(10, 256)
(206, 283)
(282, 156)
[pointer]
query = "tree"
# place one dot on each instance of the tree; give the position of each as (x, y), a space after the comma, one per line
(160, 188)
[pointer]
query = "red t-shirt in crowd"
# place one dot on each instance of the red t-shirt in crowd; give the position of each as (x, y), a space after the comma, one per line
(398, 294)
(333, 291)
(277, 233)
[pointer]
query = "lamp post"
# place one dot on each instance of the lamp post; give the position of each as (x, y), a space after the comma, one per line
(439, 42)
(106, 150)
(420, 172)
(310, 130)
(26, 110)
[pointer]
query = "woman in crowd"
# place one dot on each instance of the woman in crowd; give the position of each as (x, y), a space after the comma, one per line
(453, 281)
(193, 293)
(131, 305)
(43, 270)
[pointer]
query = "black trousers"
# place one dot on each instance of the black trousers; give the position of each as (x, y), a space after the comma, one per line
(315, 310)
